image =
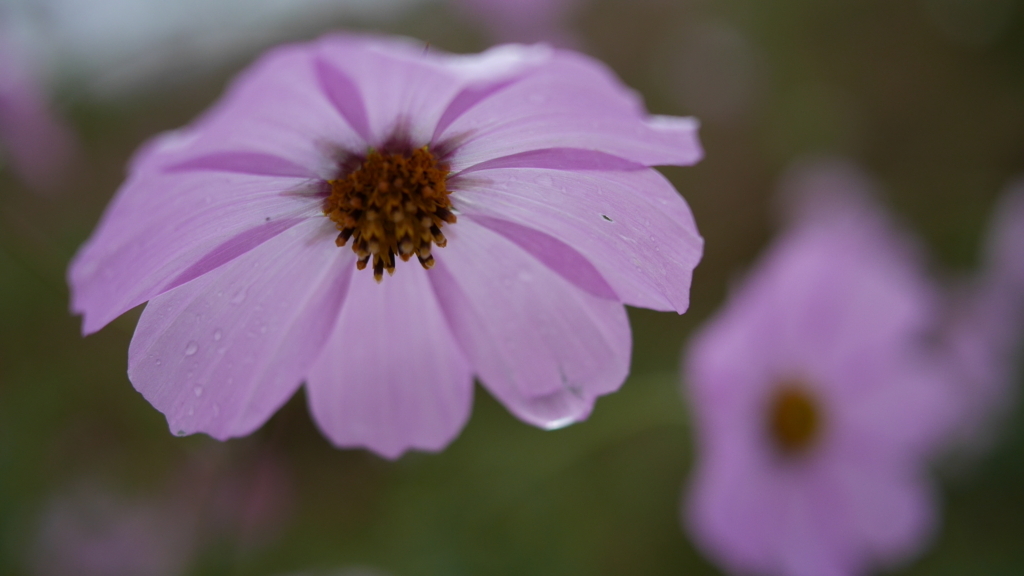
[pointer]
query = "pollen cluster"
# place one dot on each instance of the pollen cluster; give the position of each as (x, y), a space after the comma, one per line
(393, 204)
(794, 419)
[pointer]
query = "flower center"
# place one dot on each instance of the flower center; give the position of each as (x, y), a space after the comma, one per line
(392, 204)
(794, 419)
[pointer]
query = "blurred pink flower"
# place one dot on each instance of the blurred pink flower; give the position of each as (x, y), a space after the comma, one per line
(93, 532)
(525, 20)
(816, 401)
(981, 337)
(1004, 247)
(36, 144)
(519, 180)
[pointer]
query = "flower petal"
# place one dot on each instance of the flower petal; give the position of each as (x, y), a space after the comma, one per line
(255, 163)
(276, 107)
(631, 225)
(222, 353)
(391, 376)
(733, 508)
(554, 254)
(541, 345)
(570, 101)
(887, 509)
(161, 226)
(407, 90)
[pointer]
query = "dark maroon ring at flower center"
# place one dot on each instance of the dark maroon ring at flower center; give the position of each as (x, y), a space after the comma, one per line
(392, 204)
(794, 418)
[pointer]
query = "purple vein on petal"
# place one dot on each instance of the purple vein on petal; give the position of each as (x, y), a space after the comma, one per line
(559, 159)
(344, 95)
(255, 163)
(553, 253)
(467, 99)
(232, 248)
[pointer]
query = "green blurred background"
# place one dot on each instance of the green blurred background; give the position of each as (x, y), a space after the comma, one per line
(926, 95)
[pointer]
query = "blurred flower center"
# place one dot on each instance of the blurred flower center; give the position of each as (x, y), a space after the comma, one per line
(794, 420)
(392, 204)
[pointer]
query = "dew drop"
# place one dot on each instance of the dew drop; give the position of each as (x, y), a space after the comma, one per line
(191, 410)
(198, 390)
(158, 362)
(191, 348)
(217, 334)
(239, 296)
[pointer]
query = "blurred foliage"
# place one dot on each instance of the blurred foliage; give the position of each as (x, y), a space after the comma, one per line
(936, 113)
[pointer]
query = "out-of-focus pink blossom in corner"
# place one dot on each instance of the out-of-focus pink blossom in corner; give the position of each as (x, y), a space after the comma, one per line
(981, 337)
(37, 146)
(816, 401)
(1004, 248)
(91, 531)
(525, 20)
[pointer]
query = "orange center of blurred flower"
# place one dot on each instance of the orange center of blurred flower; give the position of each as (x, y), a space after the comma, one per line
(794, 420)
(392, 204)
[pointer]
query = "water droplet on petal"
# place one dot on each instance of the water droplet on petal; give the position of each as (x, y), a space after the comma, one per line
(198, 390)
(559, 423)
(191, 410)
(191, 348)
(239, 296)
(217, 335)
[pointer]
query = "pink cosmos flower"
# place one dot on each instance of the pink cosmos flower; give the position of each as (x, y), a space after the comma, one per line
(816, 402)
(508, 193)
